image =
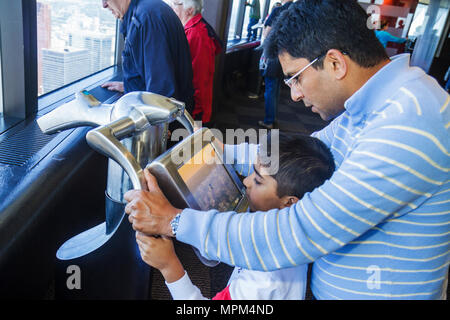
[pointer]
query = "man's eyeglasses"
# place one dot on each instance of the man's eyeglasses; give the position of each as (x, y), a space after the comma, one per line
(293, 81)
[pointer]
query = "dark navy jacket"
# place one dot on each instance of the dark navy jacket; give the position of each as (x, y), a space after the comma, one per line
(156, 56)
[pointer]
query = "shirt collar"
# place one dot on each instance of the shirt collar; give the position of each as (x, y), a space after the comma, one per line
(378, 88)
(194, 20)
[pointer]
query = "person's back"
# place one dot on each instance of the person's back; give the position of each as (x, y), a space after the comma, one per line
(204, 46)
(156, 56)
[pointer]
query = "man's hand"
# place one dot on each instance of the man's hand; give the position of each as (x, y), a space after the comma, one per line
(114, 86)
(149, 211)
(160, 254)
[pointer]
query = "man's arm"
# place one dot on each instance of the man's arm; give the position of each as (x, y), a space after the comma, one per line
(384, 175)
(150, 212)
(367, 189)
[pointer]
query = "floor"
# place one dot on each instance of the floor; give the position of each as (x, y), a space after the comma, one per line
(239, 111)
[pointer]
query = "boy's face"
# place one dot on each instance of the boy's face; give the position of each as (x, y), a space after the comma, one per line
(262, 191)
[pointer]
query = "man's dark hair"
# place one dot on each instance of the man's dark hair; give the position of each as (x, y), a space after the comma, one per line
(304, 163)
(309, 28)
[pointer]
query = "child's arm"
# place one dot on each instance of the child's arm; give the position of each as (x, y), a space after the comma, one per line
(160, 254)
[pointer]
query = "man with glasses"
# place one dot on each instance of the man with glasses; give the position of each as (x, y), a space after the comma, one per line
(156, 53)
(379, 227)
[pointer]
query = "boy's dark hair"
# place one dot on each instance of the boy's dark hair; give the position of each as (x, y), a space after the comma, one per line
(309, 28)
(304, 163)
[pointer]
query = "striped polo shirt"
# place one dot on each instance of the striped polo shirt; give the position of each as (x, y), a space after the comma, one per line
(379, 228)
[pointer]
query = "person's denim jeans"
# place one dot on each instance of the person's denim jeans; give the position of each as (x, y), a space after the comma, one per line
(271, 96)
(251, 33)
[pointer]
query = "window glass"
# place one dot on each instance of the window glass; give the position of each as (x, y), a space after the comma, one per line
(418, 23)
(233, 20)
(246, 20)
(262, 5)
(74, 39)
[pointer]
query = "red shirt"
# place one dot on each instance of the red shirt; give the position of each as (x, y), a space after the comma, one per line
(223, 295)
(203, 51)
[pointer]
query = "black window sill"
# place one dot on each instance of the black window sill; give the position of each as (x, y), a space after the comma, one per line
(51, 100)
(8, 122)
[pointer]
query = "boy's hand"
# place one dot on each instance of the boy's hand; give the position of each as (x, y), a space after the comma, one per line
(160, 254)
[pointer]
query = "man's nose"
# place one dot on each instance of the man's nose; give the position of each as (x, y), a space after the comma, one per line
(296, 94)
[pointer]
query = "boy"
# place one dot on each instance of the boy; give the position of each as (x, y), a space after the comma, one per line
(304, 164)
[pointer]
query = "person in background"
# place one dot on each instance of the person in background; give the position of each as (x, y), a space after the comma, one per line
(305, 163)
(384, 37)
(272, 73)
(156, 55)
(254, 16)
(204, 45)
(379, 227)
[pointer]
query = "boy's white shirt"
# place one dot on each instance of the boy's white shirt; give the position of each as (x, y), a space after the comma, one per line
(283, 284)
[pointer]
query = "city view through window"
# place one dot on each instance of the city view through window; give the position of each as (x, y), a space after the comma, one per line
(75, 38)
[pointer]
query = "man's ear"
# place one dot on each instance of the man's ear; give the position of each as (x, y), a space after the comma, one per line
(337, 63)
(287, 201)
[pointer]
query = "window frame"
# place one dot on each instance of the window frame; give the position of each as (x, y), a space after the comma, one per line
(18, 46)
(13, 48)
